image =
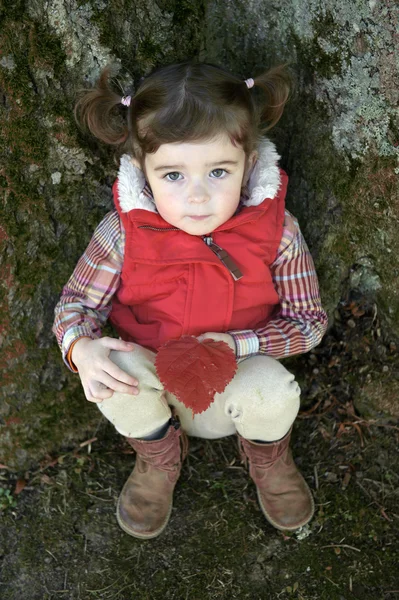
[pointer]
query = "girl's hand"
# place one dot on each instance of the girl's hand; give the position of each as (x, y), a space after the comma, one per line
(100, 377)
(219, 337)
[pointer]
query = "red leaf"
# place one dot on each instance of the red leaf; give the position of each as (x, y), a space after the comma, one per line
(19, 486)
(194, 371)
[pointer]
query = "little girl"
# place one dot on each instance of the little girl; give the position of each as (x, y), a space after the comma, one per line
(199, 243)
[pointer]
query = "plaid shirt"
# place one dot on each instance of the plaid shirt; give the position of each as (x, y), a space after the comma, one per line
(300, 324)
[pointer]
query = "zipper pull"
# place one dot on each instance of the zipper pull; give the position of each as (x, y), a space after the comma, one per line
(224, 257)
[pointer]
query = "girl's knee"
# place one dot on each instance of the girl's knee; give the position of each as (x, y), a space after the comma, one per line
(138, 363)
(265, 417)
(264, 379)
(265, 401)
(137, 416)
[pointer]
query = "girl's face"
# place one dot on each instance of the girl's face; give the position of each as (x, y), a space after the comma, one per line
(197, 186)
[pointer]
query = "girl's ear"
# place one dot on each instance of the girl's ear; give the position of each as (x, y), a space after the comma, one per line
(136, 163)
(251, 160)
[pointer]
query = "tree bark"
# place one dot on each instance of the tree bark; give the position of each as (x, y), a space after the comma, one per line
(338, 141)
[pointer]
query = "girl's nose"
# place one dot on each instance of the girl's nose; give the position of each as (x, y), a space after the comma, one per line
(198, 194)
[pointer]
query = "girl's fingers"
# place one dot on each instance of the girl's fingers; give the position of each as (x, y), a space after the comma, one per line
(120, 375)
(97, 392)
(118, 386)
(114, 344)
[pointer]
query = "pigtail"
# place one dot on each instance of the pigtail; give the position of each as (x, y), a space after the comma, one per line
(99, 110)
(276, 83)
(183, 102)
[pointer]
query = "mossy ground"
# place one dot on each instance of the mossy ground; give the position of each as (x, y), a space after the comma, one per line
(59, 537)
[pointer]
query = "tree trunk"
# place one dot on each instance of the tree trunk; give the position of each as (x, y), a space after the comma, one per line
(338, 141)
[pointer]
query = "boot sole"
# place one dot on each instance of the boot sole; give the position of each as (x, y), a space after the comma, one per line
(142, 536)
(292, 527)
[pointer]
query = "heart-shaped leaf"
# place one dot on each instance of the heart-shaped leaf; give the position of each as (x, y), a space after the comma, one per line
(194, 371)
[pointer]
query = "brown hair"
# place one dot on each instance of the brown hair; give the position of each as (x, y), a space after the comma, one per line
(184, 102)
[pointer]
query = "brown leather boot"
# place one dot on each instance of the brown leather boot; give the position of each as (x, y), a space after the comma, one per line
(145, 503)
(283, 494)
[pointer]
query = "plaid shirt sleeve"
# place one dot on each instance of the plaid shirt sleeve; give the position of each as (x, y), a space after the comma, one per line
(301, 321)
(85, 302)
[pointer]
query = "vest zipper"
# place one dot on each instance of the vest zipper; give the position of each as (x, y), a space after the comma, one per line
(158, 228)
(223, 257)
(217, 250)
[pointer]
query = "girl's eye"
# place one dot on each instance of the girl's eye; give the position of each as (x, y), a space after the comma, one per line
(220, 171)
(173, 173)
(172, 176)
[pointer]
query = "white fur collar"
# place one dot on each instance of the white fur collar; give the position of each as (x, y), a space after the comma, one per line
(264, 180)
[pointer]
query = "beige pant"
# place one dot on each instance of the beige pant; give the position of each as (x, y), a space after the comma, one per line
(261, 402)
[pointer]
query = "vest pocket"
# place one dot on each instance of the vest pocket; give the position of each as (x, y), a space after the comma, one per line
(157, 300)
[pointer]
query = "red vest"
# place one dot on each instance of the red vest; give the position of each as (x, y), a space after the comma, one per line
(172, 283)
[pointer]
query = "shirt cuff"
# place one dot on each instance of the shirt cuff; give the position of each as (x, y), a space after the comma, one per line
(70, 339)
(68, 356)
(246, 341)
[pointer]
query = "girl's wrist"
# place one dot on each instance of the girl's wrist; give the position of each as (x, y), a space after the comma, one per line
(77, 348)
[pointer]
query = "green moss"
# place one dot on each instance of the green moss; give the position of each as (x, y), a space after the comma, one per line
(311, 54)
(149, 49)
(188, 11)
(27, 139)
(52, 419)
(45, 50)
(347, 213)
(160, 45)
(363, 219)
